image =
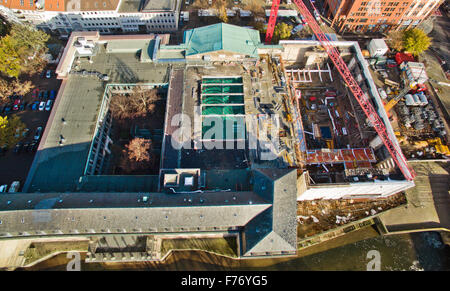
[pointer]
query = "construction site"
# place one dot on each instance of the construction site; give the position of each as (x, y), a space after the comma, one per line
(414, 113)
(249, 130)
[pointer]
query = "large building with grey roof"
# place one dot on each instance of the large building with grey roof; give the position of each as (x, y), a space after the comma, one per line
(68, 192)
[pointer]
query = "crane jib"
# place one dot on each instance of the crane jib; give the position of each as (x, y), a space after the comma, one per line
(359, 95)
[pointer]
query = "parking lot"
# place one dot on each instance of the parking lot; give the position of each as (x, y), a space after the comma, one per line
(15, 163)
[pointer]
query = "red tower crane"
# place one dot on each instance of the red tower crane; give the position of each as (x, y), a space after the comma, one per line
(351, 83)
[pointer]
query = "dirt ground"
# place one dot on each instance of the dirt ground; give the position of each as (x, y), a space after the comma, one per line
(318, 216)
(226, 246)
(39, 250)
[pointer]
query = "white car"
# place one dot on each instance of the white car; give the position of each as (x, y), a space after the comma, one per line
(48, 107)
(41, 105)
(382, 93)
(3, 188)
(49, 74)
(14, 187)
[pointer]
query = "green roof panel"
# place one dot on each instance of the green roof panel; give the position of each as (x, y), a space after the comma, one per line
(222, 36)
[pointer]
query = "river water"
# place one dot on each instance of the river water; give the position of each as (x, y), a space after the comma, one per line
(402, 252)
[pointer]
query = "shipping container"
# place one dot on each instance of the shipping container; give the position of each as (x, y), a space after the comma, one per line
(409, 101)
(377, 48)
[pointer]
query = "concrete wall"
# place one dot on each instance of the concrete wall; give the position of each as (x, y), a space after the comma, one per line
(376, 189)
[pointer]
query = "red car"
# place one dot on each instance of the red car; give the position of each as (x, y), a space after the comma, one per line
(16, 104)
(35, 93)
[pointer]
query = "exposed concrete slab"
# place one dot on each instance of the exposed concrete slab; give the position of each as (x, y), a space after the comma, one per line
(428, 203)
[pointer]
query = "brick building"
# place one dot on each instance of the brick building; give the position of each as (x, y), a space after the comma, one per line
(378, 16)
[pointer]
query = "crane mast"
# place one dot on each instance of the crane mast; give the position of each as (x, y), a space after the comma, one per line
(351, 83)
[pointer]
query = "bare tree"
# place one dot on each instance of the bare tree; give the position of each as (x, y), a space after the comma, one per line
(137, 155)
(395, 40)
(138, 150)
(143, 100)
(120, 107)
(22, 88)
(255, 7)
(15, 87)
(136, 104)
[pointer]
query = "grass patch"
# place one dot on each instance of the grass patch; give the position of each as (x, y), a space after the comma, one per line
(226, 246)
(38, 250)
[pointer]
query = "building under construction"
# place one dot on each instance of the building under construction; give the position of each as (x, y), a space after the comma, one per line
(340, 151)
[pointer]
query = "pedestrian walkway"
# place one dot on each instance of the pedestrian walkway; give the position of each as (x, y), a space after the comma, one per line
(428, 204)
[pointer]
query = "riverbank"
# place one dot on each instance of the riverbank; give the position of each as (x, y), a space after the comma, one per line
(417, 251)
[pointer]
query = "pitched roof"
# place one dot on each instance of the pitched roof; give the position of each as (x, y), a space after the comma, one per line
(274, 230)
(161, 213)
(267, 215)
(222, 36)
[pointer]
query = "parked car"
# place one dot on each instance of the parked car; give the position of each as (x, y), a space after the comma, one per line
(33, 146)
(18, 148)
(48, 107)
(14, 187)
(35, 93)
(391, 63)
(18, 133)
(22, 106)
(35, 105)
(45, 95)
(48, 75)
(25, 132)
(41, 95)
(52, 94)
(41, 106)
(7, 109)
(37, 136)
(3, 188)
(382, 93)
(42, 74)
(16, 104)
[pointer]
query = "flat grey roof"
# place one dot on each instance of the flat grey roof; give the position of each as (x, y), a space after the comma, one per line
(30, 201)
(58, 168)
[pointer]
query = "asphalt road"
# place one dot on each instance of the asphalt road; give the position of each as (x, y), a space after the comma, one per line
(15, 166)
(441, 36)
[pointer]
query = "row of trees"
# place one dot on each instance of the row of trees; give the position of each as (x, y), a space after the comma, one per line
(281, 30)
(22, 53)
(414, 41)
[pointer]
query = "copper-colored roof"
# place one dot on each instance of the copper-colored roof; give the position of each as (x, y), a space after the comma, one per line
(92, 5)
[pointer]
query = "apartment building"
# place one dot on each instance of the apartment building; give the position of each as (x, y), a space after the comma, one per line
(378, 16)
(106, 16)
